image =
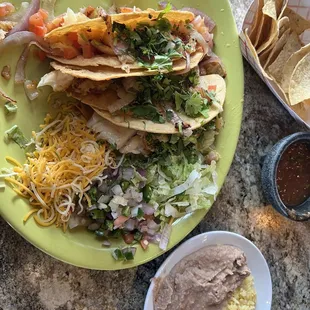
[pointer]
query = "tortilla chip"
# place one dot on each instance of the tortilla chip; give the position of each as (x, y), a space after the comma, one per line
(168, 128)
(101, 73)
(253, 33)
(263, 27)
(270, 8)
(277, 48)
(251, 46)
(268, 37)
(299, 88)
(303, 111)
(265, 54)
(267, 27)
(278, 89)
(281, 6)
(283, 25)
(290, 66)
(292, 45)
(297, 23)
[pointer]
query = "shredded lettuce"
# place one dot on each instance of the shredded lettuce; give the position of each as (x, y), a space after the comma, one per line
(192, 185)
(16, 135)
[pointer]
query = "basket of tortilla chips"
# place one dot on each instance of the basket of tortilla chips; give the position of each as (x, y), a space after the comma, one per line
(275, 40)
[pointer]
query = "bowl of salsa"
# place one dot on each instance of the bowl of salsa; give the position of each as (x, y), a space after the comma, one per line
(286, 176)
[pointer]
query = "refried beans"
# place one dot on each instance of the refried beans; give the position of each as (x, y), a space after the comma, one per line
(203, 280)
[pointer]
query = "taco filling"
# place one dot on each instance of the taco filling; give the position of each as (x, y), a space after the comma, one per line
(177, 100)
(149, 39)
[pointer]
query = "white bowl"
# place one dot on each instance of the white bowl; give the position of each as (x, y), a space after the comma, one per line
(255, 260)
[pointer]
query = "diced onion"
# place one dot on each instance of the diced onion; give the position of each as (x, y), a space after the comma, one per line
(147, 209)
(20, 67)
(128, 173)
(24, 21)
(17, 39)
(164, 240)
(130, 225)
(199, 38)
(209, 23)
(17, 16)
(30, 90)
(117, 190)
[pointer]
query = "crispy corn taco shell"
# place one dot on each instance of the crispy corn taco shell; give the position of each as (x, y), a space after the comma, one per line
(168, 128)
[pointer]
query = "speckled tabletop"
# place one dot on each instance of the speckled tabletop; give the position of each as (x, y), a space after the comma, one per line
(31, 280)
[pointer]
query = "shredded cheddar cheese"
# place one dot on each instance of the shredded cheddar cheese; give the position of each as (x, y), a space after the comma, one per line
(59, 172)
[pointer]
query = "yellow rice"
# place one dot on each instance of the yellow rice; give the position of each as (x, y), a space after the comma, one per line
(244, 298)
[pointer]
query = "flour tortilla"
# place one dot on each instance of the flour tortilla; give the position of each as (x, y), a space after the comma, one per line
(169, 128)
(299, 88)
(290, 66)
(102, 73)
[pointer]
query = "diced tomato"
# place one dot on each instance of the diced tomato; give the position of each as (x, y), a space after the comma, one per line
(89, 10)
(70, 52)
(55, 23)
(38, 30)
(212, 88)
(73, 38)
(43, 13)
(88, 50)
(36, 20)
(37, 24)
(125, 9)
(6, 8)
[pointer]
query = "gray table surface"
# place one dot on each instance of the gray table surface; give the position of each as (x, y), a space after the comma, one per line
(32, 280)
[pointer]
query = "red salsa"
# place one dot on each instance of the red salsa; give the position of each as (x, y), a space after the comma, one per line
(293, 174)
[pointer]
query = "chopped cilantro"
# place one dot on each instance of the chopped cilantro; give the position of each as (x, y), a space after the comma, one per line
(148, 112)
(93, 194)
(195, 104)
(167, 9)
(97, 214)
(155, 91)
(153, 46)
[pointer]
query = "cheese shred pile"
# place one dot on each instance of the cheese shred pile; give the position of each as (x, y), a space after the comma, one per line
(58, 174)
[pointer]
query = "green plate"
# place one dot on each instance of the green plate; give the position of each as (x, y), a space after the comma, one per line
(82, 248)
